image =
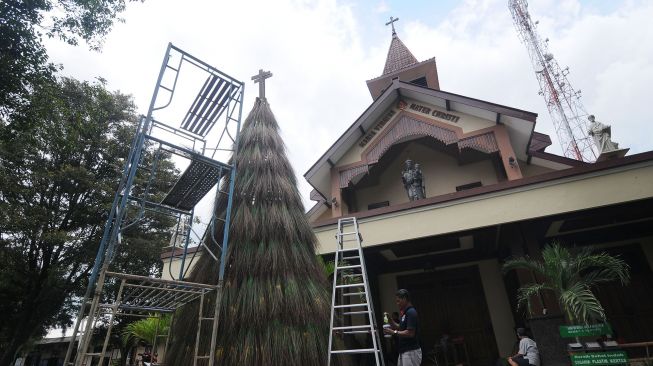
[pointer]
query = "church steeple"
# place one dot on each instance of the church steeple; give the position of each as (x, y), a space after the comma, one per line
(401, 63)
(399, 56)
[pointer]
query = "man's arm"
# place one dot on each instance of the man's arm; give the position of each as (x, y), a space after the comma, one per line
(411, 325)
(408, 333)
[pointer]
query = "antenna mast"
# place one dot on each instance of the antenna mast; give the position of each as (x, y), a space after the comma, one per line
(563, 102)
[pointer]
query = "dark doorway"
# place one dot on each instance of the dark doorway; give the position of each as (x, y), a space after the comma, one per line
(453, 302)
(629, 309)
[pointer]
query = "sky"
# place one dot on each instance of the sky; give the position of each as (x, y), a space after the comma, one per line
(322, 52)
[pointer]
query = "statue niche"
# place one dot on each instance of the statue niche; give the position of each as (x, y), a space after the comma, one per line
(412, 179)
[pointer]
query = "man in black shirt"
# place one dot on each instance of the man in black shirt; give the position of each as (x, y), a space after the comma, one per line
(406, 332)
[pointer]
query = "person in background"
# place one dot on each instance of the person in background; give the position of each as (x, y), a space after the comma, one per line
(527, 353)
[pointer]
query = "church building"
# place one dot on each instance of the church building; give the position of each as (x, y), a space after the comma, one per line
(447, 187)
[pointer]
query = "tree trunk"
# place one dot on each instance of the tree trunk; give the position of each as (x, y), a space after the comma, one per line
(7, 357)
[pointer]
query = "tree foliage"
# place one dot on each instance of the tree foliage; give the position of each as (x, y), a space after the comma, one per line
(145, 330)
(571, 276)
(23, 24)
(61, 157)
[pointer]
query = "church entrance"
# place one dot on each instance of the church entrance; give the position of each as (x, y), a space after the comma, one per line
(452, 302)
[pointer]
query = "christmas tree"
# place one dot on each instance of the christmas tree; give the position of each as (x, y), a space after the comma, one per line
(275, 306)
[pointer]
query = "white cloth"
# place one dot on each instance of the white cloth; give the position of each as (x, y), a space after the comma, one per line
(528, 348)
(410, 358)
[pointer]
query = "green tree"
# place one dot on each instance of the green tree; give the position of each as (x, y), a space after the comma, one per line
(571, 276)
(275, 309)
(145, 331)
(23, 24)
(61, 157)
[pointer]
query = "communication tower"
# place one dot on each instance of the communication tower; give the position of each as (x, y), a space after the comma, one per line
(563, 102)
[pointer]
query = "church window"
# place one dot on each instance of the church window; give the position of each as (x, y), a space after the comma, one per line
(420, 81)
(468, 186)
(372, 206)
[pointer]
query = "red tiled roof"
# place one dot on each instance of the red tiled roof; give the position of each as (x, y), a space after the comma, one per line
(399, 57)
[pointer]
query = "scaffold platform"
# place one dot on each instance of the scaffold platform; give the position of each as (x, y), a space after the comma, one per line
(202, 140)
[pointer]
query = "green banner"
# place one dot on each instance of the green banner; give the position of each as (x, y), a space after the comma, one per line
(600, 358)
(570, 331)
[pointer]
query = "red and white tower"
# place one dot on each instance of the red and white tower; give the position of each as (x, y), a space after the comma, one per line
(566, 110)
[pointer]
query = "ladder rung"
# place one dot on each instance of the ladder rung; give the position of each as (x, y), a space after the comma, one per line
(348, 267)
(349, 233)
(353, 327)
(166, 88)
(93, 354)
(207, 318)
(350, 305)
(346, 249)
(357, 332)
(353, 293)
(360, 350)
(355, 312)
(348, 240)
(202, 356)
(354, 257)
(352, 275)
(352, 285)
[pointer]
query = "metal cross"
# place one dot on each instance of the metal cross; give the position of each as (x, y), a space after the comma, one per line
(260, 78)
(392, 22)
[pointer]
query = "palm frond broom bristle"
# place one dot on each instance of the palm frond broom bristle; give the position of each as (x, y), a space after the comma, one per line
(275, 307)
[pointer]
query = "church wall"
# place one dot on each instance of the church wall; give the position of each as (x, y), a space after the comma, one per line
(325, 215)
(467, 122)
(354, 154)
(442, 174)
(529, 170)
(495, 295)
(538, 200)
(171, 267)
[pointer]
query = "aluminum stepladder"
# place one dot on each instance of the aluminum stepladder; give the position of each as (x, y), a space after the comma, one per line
(350, 282)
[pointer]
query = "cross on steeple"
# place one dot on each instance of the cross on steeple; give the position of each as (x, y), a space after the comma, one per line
(260, 78)
(392, 22)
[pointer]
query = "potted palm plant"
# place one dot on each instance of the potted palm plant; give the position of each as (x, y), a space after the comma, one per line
(146, 331)
(571, 276)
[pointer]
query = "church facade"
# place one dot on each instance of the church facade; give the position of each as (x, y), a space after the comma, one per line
(446, 187)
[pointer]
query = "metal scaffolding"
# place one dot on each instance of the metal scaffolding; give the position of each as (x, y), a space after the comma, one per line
(205, 137)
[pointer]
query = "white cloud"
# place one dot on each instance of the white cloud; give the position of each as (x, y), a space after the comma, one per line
(320, 64)
(382, 7)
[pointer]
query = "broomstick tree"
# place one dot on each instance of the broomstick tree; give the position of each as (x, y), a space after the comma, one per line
(275, 308)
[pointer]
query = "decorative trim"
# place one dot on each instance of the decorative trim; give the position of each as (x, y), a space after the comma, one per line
(348, 174)
(484, 143)
(406, 127)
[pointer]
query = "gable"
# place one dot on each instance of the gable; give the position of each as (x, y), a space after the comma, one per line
(412, 119)
(518, 126)
(443, 173)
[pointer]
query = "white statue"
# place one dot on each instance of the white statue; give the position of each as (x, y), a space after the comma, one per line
(412, 178)
(602, 136)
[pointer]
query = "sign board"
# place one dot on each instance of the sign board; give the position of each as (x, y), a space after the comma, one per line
(600, 358)
(592, 330)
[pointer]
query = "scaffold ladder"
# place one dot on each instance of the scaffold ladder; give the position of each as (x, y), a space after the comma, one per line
(351, 294)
